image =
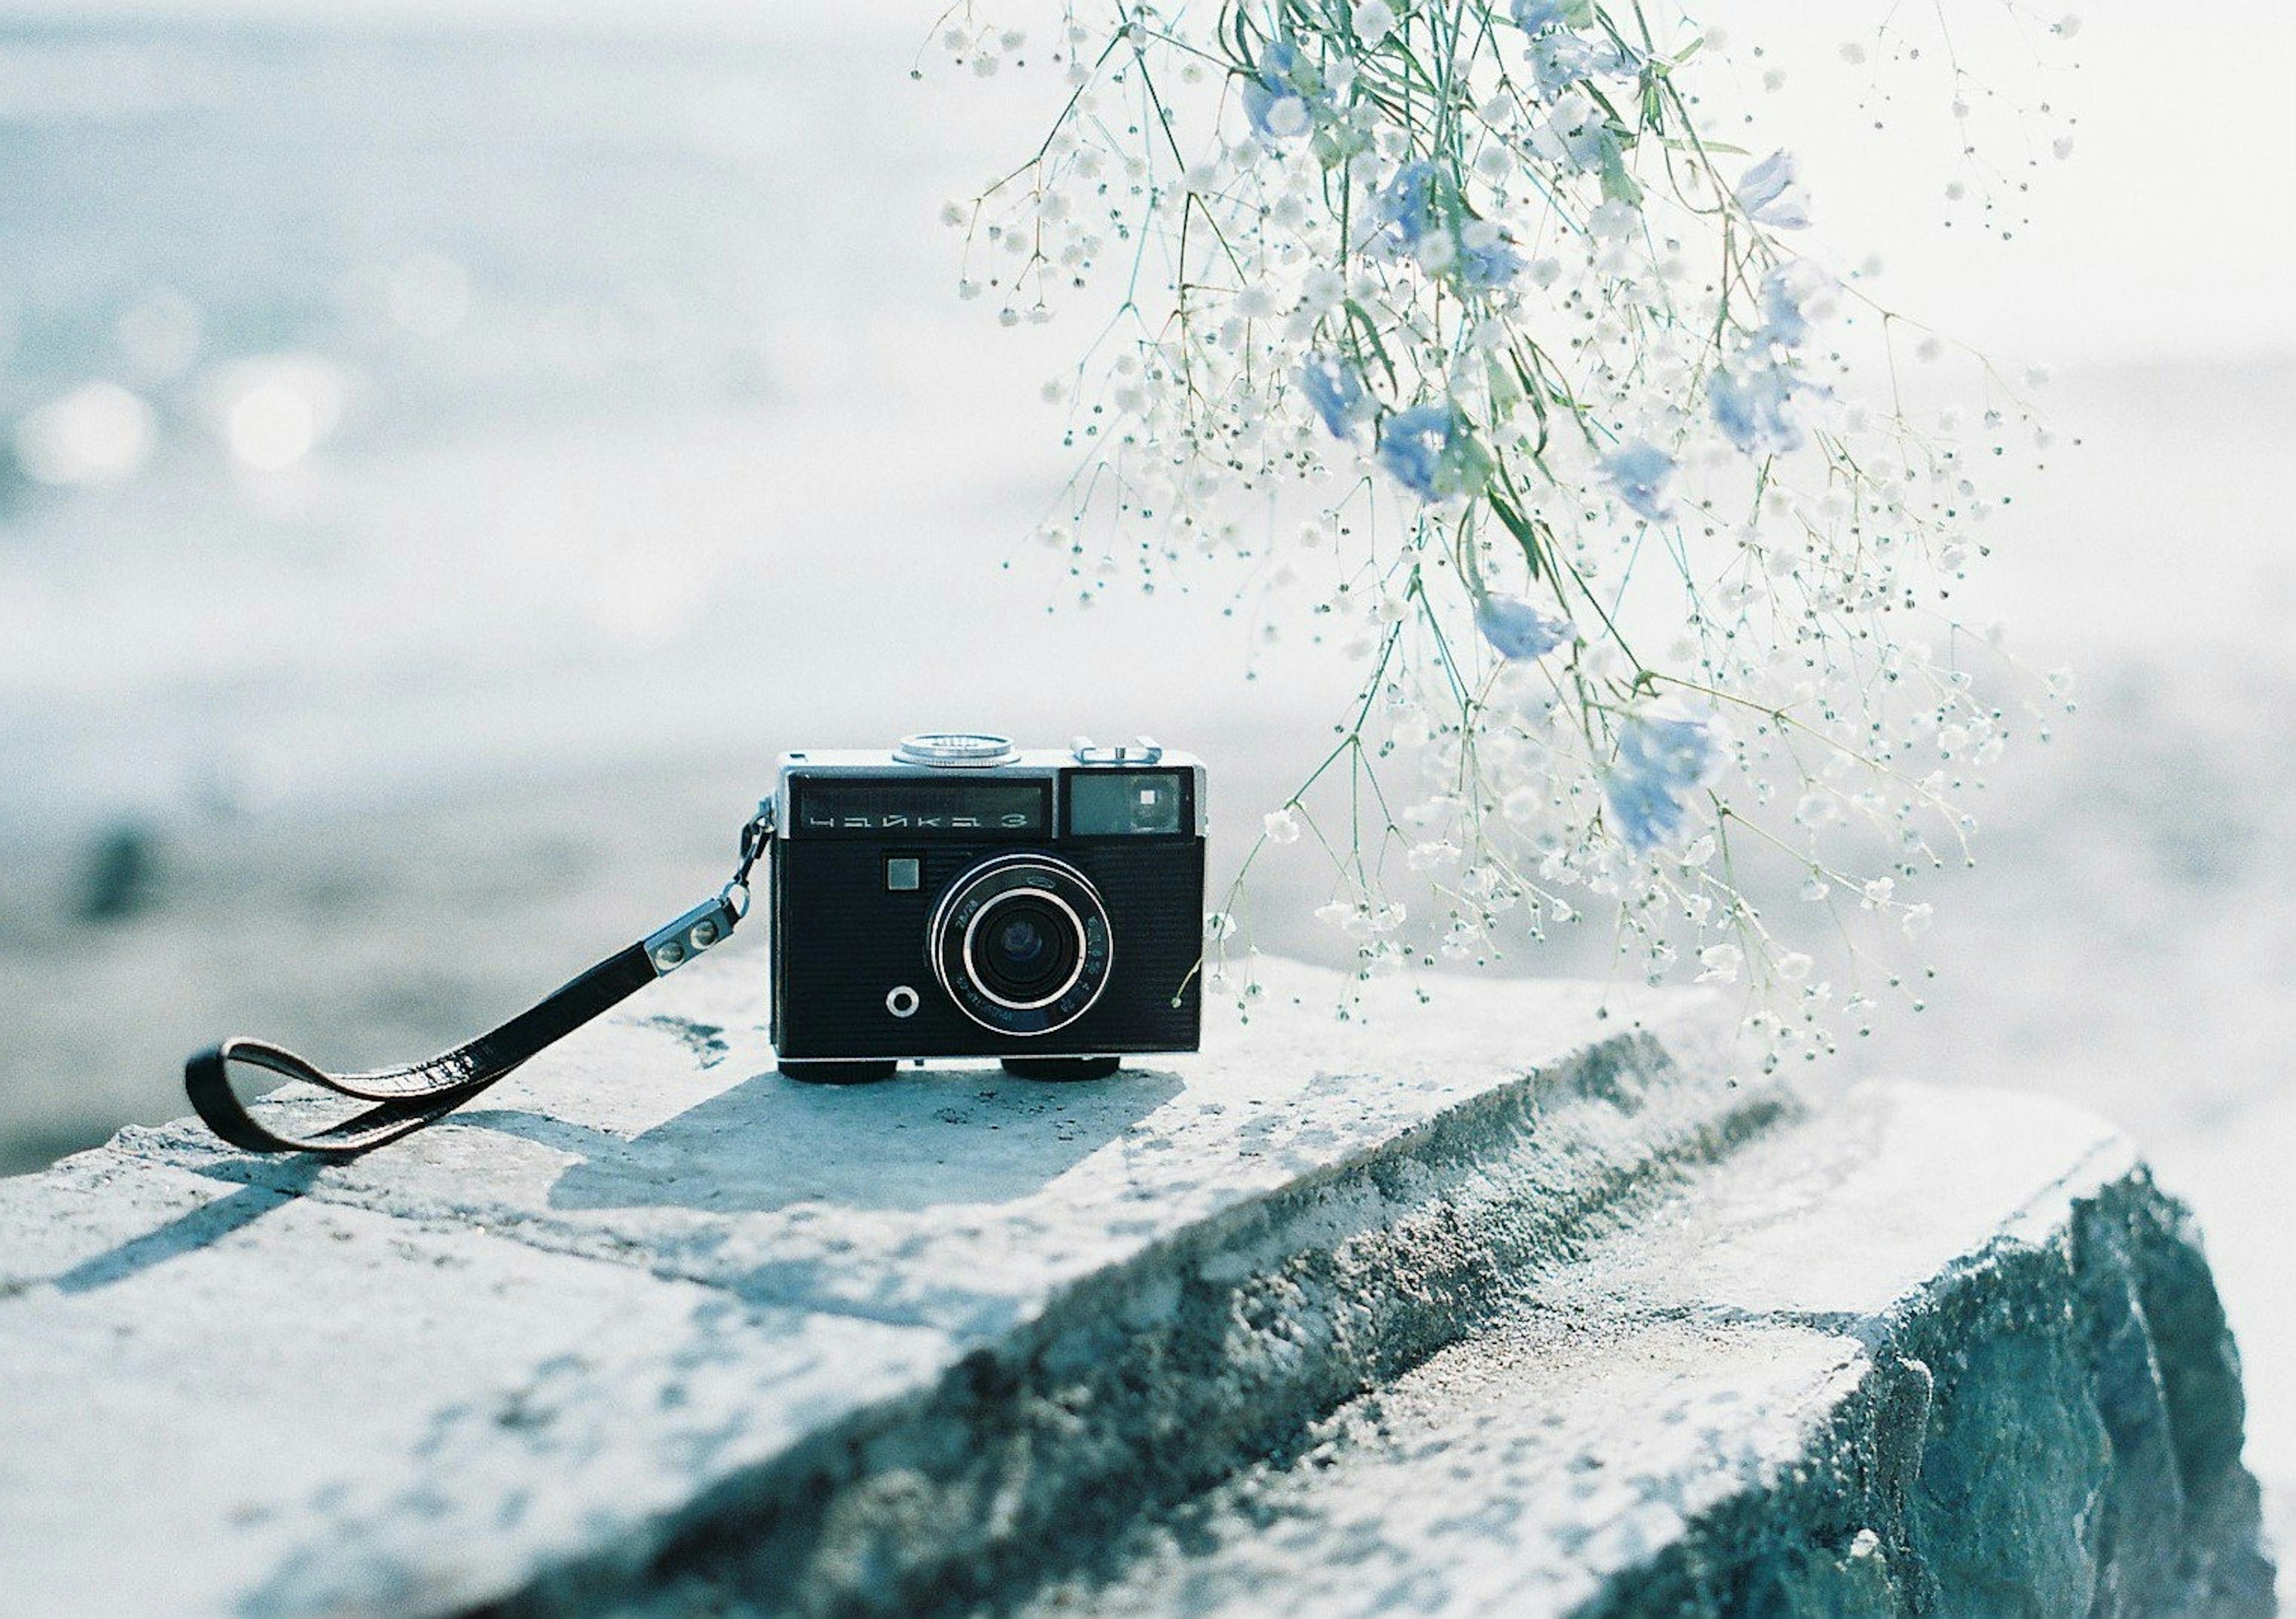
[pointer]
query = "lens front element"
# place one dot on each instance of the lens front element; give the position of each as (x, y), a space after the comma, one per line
(1022, 944)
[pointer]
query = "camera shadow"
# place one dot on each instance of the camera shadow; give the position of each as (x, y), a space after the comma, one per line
(925, 1138)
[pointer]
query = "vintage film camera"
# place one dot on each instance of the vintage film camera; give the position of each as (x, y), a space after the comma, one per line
(956, 897)
(951, 897)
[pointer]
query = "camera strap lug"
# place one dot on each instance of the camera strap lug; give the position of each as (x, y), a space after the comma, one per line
(407, 1098)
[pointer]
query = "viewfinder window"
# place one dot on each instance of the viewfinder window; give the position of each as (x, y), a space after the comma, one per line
(1125, 803)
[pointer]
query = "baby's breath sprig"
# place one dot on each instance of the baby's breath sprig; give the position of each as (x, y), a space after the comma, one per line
(1570, 425)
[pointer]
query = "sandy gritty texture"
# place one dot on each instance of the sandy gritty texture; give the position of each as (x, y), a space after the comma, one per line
(1513, 1294)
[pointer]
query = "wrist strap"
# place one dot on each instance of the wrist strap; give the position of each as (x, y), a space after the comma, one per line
(409, 1097)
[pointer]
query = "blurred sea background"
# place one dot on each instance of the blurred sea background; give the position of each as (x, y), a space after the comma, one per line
(445, 452)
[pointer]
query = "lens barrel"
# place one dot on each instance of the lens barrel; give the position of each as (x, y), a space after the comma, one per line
(1024, 950)
(1022, 945)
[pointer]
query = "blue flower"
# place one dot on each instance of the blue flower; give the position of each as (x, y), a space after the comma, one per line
(1658, 763)
(1492, 264)
(1750, 406)
(1559, 61)
(1284, 76)
(1783, 320)
(1336, 392)
(1766, 182)
(1411, 204)
(1587, 143)
(1767, 193)
(1520, 630)
(1430, 452)
(1639, 472)
(1412, 445)
(1421, 202)
(1560, 58)
(1534, 16)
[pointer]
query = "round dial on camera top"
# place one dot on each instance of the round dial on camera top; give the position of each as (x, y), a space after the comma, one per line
(954, 748)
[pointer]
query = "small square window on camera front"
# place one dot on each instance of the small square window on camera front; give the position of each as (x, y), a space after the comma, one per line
(902, 875)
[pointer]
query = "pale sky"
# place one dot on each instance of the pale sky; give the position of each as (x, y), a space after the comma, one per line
(2169, 232)
(2171, 229)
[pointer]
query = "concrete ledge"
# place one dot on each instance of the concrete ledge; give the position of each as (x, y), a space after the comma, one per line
(659, 1332)
(1926, 1353)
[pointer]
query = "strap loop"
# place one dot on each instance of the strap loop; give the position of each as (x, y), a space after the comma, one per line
(409, 1097)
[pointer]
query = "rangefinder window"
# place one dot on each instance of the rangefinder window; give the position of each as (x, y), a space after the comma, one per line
(863, 807)
(1127, 804)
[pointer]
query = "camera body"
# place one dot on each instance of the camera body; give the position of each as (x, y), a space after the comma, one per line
(956, 897)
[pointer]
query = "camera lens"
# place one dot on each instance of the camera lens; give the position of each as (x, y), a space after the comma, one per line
(1024, 948)
(1021, 943)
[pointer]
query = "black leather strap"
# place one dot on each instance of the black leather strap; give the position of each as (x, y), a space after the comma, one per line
(407, 1098)
(411, 1096)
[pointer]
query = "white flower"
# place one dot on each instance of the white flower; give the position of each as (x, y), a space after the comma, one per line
(1374, 20)
(1613, 221)
(1288, 116)
(1322, 290)
(1280, 826)
(1719, 964)
(1219, 925)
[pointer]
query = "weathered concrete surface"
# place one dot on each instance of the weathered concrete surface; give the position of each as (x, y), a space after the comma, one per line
(651, 1289)
(658, 1332)
(225, 1401)
(1927, 1352)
